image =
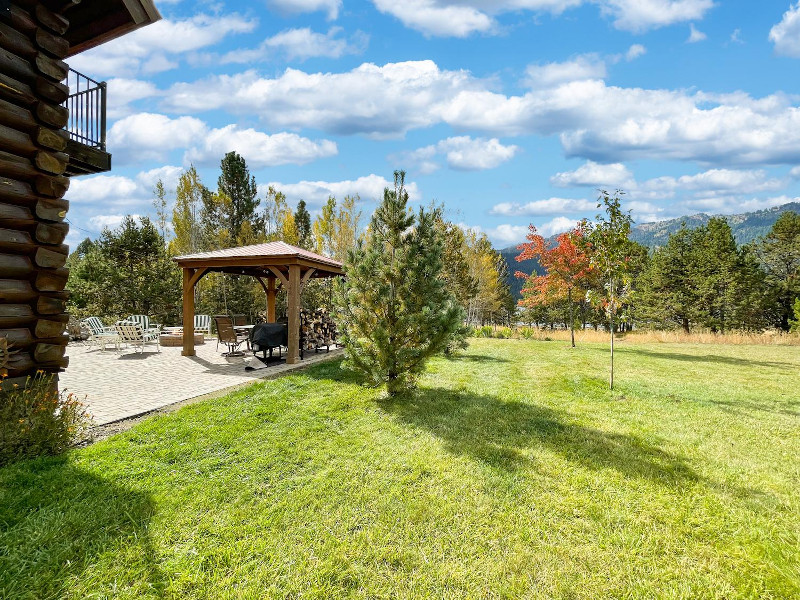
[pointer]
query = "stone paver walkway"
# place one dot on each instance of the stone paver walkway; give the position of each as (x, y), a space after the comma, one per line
(127, 384)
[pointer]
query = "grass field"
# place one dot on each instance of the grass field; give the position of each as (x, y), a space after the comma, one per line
(512, 473)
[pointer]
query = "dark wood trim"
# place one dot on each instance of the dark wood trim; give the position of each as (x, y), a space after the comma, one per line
(84, 160)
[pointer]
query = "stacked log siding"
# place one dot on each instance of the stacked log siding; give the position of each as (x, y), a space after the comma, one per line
(32, 185)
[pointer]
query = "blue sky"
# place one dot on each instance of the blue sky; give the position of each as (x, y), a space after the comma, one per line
(509, 112)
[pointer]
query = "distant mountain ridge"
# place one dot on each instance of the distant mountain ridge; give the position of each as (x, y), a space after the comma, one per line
(746, 227)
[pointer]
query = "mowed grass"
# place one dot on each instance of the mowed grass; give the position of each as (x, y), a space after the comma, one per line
(512, 473)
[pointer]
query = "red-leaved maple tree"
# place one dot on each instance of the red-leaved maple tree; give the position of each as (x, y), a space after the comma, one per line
(567, 268)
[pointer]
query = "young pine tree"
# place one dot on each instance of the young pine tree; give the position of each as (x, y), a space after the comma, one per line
(395, 309)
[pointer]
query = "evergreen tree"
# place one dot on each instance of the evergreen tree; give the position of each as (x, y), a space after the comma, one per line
(455, 272)
(488, 269)
(236, 183)
(395, 309)
(215, 222)
(780, 254)
(455, 268)
(794, 324)
(668, 293)
(701, 278)
(126, 271)
(754, 308)
(717, 268)
(302, 222)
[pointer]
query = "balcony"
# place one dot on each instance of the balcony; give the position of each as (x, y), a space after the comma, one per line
(87, 126)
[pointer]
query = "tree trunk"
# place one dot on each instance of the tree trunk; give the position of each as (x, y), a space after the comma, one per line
(612, 308)
(571, 317)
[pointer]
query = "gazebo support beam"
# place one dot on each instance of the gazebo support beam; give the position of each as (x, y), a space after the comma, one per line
(190, 279)
(271, 291)
(293, 291)
(188, 312)
(306, 276)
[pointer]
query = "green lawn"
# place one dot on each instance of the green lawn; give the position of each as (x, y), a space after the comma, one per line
(513, 473)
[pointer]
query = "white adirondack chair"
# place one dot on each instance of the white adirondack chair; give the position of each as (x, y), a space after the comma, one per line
(202, 324)
(144, 321)
(100, 335)
(134, 334)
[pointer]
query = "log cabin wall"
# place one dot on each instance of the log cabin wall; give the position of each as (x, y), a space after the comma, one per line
(33, 276)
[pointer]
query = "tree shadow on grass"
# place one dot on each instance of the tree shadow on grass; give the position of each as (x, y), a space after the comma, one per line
(499, 433)
(55, 522)
(743, 407)
(477, 358)
(713, 358)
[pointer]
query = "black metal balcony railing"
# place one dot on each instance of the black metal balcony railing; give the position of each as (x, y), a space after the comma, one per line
(87, 110)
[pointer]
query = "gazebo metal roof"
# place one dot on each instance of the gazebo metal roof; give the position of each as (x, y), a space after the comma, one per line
(271, 253)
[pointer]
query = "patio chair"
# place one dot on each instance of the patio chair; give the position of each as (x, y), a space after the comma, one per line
(202, 324)
(241, 321)
(227, 335)
(101, 335)
(133, 333)
(144, 321)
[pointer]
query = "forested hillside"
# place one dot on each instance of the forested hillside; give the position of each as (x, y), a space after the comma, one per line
(527, 266)
(746, 227)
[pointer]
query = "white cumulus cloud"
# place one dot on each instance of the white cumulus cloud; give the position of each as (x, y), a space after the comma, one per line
(368, 188)
(587, 66)
(505, 234)
(786, 34)
(462, 153)
(635, 51)
(550, 206)
(695, 35)
(258, 148)
(460, 18)
(592, 174)
(299, 44)
(149, 136)
(595, 121)
(153, 136)
(148, 50)
(100, 222)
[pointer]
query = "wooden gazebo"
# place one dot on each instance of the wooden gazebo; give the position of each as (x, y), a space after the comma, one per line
(272, 265)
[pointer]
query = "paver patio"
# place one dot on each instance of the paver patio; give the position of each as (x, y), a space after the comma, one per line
(129, 383)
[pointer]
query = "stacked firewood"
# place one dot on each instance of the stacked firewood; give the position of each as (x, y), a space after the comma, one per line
(32, 211)
(317, 329)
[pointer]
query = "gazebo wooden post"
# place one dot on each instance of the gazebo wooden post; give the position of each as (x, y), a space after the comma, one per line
(294, 314)
(188, 312)
(271, 300)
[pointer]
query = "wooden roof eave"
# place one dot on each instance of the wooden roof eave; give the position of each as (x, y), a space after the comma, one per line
(227, 263)
(116, 18)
